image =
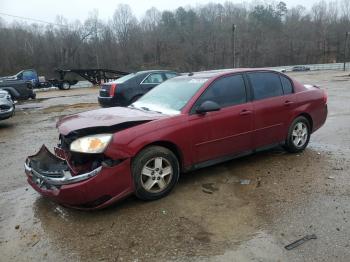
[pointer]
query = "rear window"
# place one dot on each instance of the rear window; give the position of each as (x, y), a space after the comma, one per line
(124, 78)
(265, 85)
(287, 85)
(170, 75)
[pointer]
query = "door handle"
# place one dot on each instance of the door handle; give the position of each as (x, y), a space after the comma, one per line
(288, 103)
(245, 112)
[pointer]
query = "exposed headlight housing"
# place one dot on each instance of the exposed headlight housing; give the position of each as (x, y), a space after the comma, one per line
(93, 144)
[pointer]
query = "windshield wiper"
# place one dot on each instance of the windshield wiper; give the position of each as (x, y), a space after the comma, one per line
(144, 109)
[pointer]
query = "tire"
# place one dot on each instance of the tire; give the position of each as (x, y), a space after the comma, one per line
(155, 171)
(64, 85)
(297, 139)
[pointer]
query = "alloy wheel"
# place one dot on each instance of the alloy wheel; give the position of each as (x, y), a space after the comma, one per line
(156, 175)
(299, 134)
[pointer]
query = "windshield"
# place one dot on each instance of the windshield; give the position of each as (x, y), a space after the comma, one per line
(171, 96)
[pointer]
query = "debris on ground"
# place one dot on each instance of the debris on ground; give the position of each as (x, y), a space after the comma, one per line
(209, 188)
(92, 234)
(300, 241)
(36, 242)
(245, 181)
(17, 227)
(338, 168)
(331, 177)
(258, 182)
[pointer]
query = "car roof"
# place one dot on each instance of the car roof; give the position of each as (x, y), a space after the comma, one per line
(222, 72)
(154, 71)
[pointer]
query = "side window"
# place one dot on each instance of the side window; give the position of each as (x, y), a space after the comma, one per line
(265, 85)
(170, 75)
(28, 75)
(153, 79)
(226, 91)
(287, 85)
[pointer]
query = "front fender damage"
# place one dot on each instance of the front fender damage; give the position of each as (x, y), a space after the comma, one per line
(81, 185)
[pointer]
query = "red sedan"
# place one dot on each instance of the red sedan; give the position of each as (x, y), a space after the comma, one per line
(188, 122)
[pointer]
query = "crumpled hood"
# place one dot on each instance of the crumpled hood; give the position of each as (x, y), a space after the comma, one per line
(104, 117)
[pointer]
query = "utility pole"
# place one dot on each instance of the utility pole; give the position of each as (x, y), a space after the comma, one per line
(345, 47)
(233, 46)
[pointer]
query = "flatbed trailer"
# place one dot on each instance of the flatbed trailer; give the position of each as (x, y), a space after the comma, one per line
(95, 76)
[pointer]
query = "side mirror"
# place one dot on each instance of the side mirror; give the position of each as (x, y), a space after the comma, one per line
(207, 106)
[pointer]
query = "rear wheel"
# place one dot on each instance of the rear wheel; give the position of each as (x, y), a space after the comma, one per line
(156, 171)
(64, 85)
(298, 135)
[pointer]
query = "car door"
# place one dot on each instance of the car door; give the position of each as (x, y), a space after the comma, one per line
(226, 132)
(272, 108)
(30, 75)
(151, 81)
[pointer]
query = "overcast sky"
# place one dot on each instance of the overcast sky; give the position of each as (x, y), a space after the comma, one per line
(79, 9)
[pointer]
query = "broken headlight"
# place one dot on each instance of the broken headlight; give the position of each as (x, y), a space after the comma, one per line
(93, 144)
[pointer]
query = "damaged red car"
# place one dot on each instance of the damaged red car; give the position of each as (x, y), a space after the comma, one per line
(188, 122)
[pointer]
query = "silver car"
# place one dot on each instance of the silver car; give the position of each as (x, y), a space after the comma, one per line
(7, 108)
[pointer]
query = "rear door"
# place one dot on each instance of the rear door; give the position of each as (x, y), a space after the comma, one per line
(225, 132)
(272, 107)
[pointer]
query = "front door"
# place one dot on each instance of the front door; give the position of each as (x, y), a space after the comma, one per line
(226, 132)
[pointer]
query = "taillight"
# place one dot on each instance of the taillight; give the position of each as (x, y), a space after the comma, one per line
(112, 89)
(325, 97)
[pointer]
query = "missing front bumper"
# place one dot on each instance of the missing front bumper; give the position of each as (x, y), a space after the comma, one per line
(50, 172)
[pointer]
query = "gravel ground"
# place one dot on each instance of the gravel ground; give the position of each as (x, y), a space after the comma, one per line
(288, 196)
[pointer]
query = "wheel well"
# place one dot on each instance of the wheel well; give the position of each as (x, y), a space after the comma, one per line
(172, 147)
(309, 118)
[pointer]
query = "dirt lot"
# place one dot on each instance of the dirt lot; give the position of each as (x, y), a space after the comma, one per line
(289, 196)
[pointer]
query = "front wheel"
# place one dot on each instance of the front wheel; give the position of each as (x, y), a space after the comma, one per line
(298, 135)
(155, 171)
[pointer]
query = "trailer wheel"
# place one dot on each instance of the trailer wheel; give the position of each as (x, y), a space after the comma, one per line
(64, 85)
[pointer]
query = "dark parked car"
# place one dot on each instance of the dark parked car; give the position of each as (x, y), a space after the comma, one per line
(129, 88)
(300, 68)
(188, 122)
(18, 86)
(7, 108)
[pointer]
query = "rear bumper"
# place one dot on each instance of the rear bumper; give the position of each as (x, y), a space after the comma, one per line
(92, 190)
(108, 101)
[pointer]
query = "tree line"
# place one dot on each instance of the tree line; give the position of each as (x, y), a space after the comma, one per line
(205, 37)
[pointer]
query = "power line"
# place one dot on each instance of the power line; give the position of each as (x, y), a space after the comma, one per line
(32, 19)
